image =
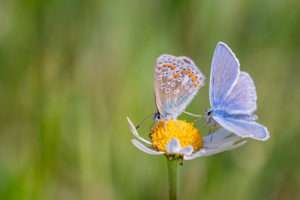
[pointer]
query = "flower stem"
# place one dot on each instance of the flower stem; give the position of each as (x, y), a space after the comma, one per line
(172, 171)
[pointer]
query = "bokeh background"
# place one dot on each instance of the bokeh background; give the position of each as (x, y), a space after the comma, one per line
(72, 70)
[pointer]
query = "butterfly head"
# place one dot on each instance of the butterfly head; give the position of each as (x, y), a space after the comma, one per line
(157, 116)
(166, 117)
(209, 113)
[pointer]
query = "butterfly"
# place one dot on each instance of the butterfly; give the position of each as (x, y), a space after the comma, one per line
(233, 96)
(176, 82)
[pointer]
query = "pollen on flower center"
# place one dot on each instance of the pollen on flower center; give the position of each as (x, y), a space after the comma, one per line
(185, 132)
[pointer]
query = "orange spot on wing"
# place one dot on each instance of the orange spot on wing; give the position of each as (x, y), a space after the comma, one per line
(165, 65)
(182, 72)
(169, 65)
(187, 72)
(173, 67)
(159, 67)
(176, 75)
(191, 75)
(213, 81)
(197, 84)
(194, 79)
(170, 79)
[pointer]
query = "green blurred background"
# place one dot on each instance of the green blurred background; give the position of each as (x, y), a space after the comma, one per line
(72, 70)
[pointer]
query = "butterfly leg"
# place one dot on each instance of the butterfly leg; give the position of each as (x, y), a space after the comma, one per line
(178, 125)
(153, 127)
(166, 128)
(155, 124)
(209, 121)
(199, 119)
(212, 130)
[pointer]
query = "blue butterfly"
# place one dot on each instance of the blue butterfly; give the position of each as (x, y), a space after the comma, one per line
(233, 96)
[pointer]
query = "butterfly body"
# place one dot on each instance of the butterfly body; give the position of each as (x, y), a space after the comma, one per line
(233, 96)
(176, 82)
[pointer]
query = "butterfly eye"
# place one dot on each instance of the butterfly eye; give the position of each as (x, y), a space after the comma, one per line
(209, 112)
(158, 116)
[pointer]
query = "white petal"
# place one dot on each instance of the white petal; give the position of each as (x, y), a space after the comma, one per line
(146, 149)
(188, 150)
(208, 152)
(223, 148)
(173, 146)
(197, 154)
(135, 133)
(216, 136)
(225, 142)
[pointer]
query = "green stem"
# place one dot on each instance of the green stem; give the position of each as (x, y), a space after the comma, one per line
(172, 171)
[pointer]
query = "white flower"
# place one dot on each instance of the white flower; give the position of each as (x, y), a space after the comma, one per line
(220, 141)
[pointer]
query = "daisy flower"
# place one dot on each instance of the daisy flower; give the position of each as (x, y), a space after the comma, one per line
(181, 139)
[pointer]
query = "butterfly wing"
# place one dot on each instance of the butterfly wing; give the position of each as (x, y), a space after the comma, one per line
(224, 74)
(242, 98)
(176, 82)
(241, 127)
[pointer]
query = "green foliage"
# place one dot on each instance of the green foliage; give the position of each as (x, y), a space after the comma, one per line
(71, 71)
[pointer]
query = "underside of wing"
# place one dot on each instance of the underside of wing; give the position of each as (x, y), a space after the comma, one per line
(243, 128)
(176, 82)
(224, 73)
(242, 98)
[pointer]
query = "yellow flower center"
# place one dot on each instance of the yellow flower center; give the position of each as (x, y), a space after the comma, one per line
(185, 132)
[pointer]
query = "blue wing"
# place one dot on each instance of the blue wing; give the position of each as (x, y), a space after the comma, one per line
(242, 98)
(224, 74)
(242, 127)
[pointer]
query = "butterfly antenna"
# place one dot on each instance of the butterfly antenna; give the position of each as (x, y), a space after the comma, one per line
(191, 114)
(138, 126)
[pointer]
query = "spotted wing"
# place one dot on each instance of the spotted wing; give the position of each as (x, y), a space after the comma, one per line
(242, 98)
(176, 82)
(224, 74)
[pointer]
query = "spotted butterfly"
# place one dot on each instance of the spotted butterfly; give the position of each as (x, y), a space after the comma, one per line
(176, 82)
